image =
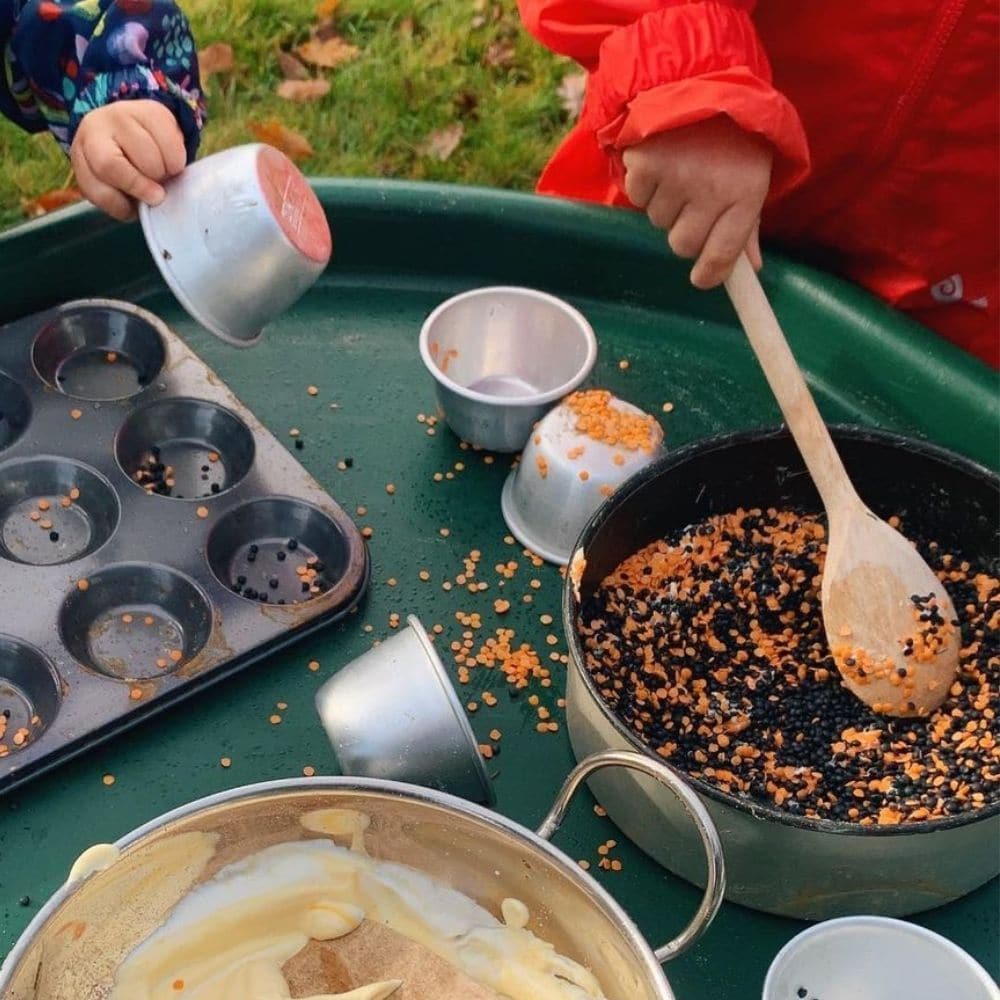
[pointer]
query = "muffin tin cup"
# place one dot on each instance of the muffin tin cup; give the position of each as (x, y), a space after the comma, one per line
(131, 607)
(135, 621)
(29, 696)
(54, 511)
(185, 449)
(96, 352)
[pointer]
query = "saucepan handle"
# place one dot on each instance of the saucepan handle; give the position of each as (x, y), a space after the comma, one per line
(716, 884)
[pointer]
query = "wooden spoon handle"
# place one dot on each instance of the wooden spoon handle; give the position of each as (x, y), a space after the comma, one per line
(789, 387)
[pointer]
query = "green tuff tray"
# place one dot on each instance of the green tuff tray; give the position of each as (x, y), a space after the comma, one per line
(399, 250)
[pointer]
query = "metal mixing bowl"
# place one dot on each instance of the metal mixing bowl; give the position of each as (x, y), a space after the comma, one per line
(777, 862)
(67, 949)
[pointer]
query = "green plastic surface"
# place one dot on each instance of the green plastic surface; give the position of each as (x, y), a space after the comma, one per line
(399, 250)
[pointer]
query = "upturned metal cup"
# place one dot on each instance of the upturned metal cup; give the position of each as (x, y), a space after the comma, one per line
(239, 238)
(878, 958)
(392, 713)
(501, 358)
(563, 478)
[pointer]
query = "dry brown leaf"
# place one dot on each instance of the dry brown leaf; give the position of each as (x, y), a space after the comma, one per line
(326, 8)
(303, 91)
(478, 21)
(50, 201)
(442, 142)
(215, 58)
(571, 92)
(466, 104)
(292, 144)
(291, 68)
(327, 52)
(499, 54)
(406, 27)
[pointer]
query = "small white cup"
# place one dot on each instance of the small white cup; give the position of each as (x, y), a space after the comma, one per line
(875, 958)
(239, 238)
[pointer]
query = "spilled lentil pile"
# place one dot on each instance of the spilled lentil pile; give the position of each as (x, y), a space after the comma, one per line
(709, 646)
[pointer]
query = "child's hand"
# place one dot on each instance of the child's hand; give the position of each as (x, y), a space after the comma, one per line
(705, 185)
(121, 153)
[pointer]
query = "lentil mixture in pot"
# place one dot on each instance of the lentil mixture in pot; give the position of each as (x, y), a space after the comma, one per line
(709, 646)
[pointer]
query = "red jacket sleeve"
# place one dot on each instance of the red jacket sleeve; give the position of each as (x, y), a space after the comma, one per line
(661, 64)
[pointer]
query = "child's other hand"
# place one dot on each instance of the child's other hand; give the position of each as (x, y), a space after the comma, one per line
(123, 151)
(704, 184)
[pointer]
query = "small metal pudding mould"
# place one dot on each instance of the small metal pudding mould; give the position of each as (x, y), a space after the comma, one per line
(477, 852)
(563, 478)
(877, 958)
(393, 713)
(239, 238)
(501, 358)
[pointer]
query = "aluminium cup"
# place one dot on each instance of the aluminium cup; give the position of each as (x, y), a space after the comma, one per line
(392, 713)
(501, 358)
(239, 238)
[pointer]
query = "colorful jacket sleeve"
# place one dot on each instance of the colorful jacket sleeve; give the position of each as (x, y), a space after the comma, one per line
(62, 59)
(660, 64)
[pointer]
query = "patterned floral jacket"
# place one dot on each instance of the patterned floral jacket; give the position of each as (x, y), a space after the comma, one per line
(60, 59)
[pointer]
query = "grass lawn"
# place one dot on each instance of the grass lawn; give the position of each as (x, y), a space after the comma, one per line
(424, 65)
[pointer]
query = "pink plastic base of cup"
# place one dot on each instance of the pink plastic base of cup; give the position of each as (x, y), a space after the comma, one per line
(294, 205)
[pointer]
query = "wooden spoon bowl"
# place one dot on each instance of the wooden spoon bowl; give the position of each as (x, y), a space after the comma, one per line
(897, 654)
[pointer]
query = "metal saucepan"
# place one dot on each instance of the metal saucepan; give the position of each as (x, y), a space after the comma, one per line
(71, 948)
(776, 862)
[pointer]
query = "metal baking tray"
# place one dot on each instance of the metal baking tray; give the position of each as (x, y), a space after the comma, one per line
(154, 536)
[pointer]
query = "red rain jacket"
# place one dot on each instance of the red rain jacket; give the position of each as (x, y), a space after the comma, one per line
(897, 187)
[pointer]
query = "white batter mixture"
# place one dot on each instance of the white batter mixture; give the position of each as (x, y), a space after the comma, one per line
(229, 937)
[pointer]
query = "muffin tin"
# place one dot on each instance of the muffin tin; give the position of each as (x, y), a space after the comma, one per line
(116, 600)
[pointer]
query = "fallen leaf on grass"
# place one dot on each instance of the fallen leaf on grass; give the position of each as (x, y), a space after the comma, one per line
(325, 8)
(406, 27)
(571, 92)
(33, 208)
(442, 142)
(215, 58)
(466, 104)
(292, 144)
(499, 54)
(291, 68)
(328, 52)
(303, 91)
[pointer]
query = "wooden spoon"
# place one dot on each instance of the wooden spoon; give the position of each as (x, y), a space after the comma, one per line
(872, 573)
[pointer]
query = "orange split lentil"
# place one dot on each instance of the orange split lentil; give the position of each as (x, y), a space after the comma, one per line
(76, 414)
(709, 646)
(108, 779)
(313, 665)
(225, 761)
(202, 512)
(598, 419)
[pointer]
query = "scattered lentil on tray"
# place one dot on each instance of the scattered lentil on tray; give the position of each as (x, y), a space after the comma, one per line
(709, 646)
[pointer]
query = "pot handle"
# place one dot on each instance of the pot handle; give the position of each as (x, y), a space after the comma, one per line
(716, 883)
